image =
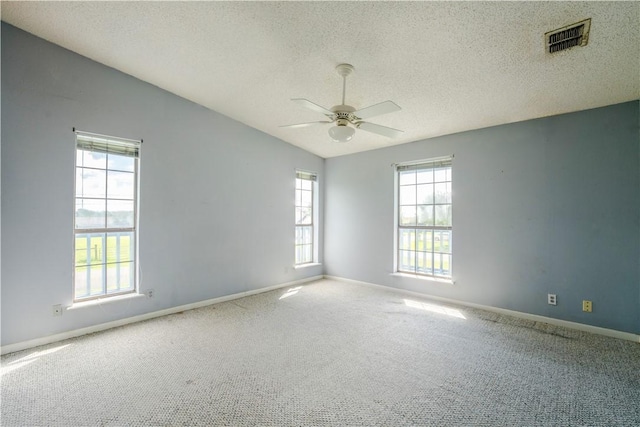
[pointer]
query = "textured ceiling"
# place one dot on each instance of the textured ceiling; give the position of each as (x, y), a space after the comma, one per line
(451, 66)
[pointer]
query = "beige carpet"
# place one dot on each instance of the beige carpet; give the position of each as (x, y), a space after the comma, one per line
(327, 353)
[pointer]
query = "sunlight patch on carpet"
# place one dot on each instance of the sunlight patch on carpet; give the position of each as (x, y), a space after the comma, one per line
(290, 292)
(26, 360)
(434, 308)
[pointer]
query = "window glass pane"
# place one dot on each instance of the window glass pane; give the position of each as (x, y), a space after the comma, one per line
(120, 214)
(446, 265)
(120, 247)
(79, 158)
(306, 199)
(112, 279)
(304, 254)
(79, 182)
(298, 198)
(407, 261)
(120, 185)
(304, 235)
(425, 215)
(429, 240)
(82, 256)
(445, 242)
(407, 177)
(407, 215)
(303, 216)
(437, 263)
(93, 159)
(90, 213)
(306, 184)
(425, 176)
(407, 239)
(121, 163)
(298, 254)
(443, 215)
(437, 238)
(408, 195)
(308, 250)
(89, 249)
(443, 193)
(91, 183)
(119, 277)
(421, 240)
(448, 174)
(81, 285)
(96, 279)
(425, 194)
(440, 174)
(424, 263)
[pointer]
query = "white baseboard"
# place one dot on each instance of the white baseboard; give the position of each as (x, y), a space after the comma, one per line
(534, 317)
(11, 348)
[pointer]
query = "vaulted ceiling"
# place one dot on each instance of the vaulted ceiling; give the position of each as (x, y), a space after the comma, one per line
(451, 66)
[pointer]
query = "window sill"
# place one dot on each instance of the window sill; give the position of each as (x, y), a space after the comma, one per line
(311, 264)
(100, 301)
(425, 278)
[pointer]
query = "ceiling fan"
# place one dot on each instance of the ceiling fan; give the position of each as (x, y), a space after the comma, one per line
(344, 115)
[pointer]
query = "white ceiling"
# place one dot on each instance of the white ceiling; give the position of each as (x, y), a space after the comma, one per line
(451, 66)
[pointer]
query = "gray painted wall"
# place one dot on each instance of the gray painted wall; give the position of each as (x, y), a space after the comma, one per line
(543, 206)
(550, 205)
(216, 196)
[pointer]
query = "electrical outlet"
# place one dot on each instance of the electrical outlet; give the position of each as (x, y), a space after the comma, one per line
(57, 310)
(150, 293)
(551, 299)
(587, 306)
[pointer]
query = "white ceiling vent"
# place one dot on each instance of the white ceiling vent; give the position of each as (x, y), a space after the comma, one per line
(567, 37)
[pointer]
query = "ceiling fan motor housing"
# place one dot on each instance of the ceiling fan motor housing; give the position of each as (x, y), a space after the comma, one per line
(344, 114)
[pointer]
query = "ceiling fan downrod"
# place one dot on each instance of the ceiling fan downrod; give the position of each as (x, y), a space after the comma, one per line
(344, 70)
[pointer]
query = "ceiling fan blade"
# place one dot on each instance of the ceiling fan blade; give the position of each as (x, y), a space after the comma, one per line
(302, 125)
(313, 107)
(376, 110)
(380, 130)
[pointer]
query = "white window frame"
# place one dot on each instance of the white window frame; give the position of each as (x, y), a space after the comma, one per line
(440, 256)
(116, 146)
(311, 224)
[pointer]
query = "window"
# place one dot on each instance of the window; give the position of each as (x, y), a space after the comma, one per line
(305, 213)
(424, 228)
(105, 221)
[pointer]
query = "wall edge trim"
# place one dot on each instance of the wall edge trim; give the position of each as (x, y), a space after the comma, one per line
(24, 345)
(628, 336)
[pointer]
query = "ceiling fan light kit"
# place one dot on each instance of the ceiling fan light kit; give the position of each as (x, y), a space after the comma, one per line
(341, 133)
(345, 118)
